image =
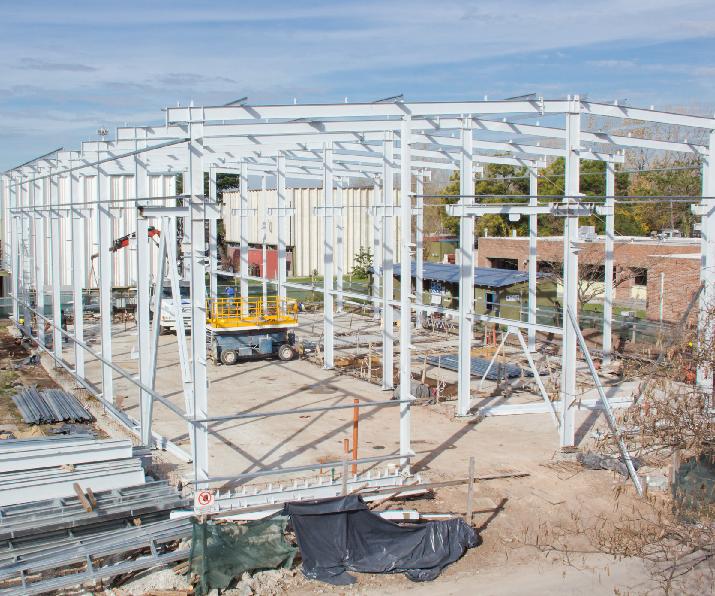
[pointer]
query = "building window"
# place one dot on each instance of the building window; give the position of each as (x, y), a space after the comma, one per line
(549, 267)
(499, 263)
(640, 276)
(491, 300)
(593, 272)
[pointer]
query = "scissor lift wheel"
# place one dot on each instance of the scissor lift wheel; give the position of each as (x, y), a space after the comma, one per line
(286, 352)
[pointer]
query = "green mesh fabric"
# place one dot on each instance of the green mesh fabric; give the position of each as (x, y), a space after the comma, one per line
(694, 489)
(221, 552)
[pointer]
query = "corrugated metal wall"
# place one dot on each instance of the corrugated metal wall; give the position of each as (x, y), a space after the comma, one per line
(123, 223)
(305, 233)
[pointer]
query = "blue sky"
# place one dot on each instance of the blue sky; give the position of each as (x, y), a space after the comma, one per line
(67, 68)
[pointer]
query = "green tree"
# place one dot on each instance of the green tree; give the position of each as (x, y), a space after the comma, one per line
(363, 263)
(498, 181)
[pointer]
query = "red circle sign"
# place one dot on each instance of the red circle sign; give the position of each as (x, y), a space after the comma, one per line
(204, 498)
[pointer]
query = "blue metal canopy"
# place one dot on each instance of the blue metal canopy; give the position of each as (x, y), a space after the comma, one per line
(483, 276)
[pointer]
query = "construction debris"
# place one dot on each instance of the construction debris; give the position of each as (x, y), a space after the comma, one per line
(50, 406)
(479, 366)
(597, 461)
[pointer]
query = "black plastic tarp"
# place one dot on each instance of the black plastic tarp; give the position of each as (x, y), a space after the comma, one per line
(342, 534)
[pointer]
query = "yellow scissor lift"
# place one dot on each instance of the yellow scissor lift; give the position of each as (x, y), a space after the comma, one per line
(251, 329)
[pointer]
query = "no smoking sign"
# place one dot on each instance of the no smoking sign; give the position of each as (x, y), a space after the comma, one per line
(204, 500)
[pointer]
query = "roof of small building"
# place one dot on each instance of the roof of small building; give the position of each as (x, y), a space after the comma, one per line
(483, 276)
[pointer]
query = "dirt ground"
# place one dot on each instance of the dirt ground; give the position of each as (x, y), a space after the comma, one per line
(506, 509)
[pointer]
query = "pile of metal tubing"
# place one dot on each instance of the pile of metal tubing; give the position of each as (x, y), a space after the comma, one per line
(56, 543)
(62, 559)
(50, 406)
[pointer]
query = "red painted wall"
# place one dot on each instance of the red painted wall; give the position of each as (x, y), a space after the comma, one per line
(255, 257)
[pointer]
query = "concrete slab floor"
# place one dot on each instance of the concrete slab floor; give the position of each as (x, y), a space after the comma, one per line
(442, 445)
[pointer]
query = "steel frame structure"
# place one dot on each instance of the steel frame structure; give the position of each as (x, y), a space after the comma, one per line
(327, 143)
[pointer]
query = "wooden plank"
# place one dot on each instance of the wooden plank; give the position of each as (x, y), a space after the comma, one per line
(82, 498)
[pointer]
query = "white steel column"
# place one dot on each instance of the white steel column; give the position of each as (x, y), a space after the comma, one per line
(570, 275)
(388, 259)
(157, 298)
(78, 269)
(26, 249)
(281, 218)
(263, 210)
(608, 267)
(533, 234)
(104, 274)
(146, 374)
(706, 324)
(213, 238)
(15, 222)
(243, 231)
(466, 273)
(197, 219)
(419, 246)
(55, 267)
(339, 244)
(405, 288)
(377, 222)
(328, 314)
(37, 188)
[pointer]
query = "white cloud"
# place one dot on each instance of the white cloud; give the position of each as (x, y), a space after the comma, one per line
(113, 62)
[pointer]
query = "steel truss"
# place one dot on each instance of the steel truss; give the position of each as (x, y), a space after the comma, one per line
(65, 193)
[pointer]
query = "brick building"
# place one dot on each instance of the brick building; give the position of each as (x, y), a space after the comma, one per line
(649, 274)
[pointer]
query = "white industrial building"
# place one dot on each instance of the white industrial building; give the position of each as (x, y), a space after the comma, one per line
(305, 239)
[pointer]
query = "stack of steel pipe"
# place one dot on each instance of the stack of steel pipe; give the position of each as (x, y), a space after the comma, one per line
(74, 560)
(27, 526)
(49, 406)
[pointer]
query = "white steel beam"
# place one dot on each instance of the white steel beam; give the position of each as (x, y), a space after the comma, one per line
(377, 227)
(706, 325)
(388, 259)
(105, 275)
(533, 234)
(362, 110)
(282, 229)
(213, 238)
(465, 261)
(146, 374)
(37, 190)
(328, 257)
(56, 250)
(339, 243)
(419, 246)
(78, 272)
(626, 113)
(243, 233)
(608, 265)
(197, 245)
(570, 277)
(405, 293)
